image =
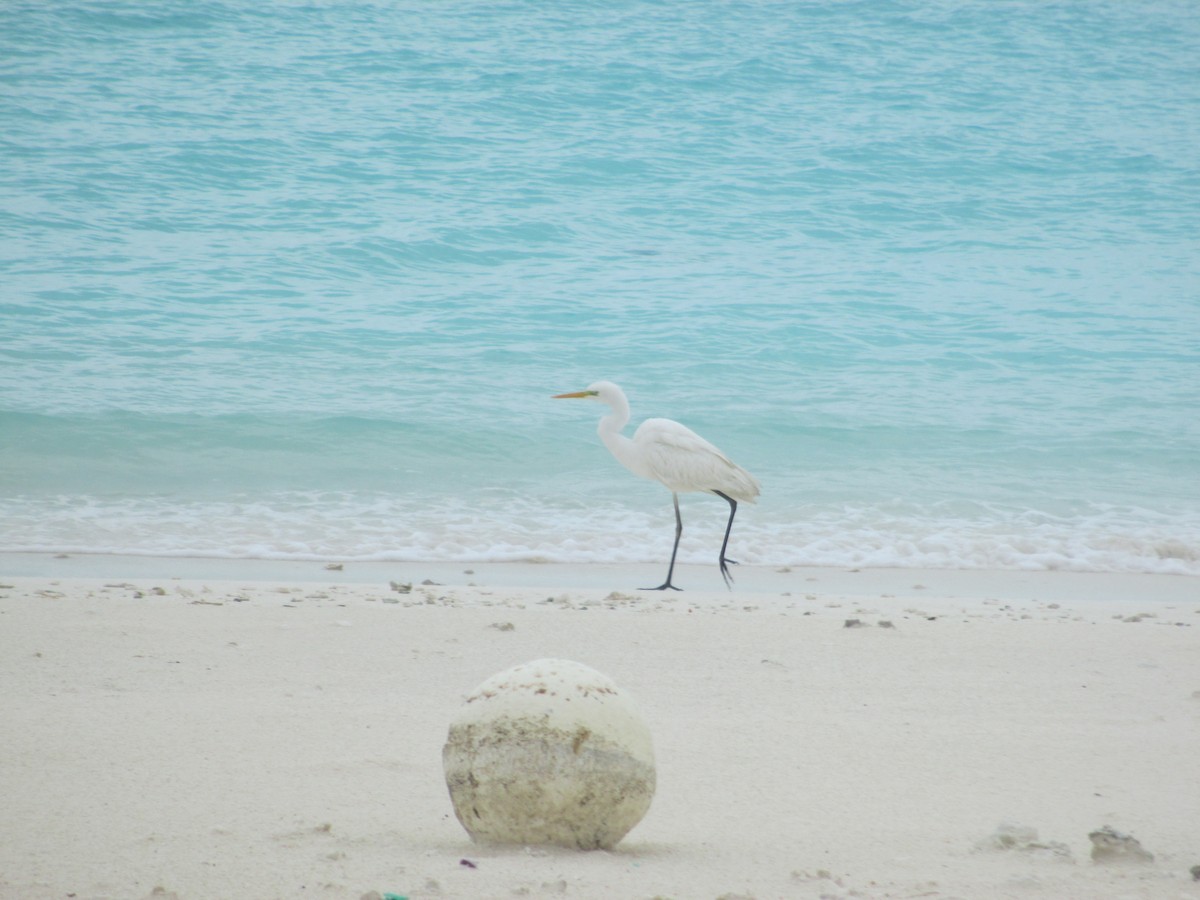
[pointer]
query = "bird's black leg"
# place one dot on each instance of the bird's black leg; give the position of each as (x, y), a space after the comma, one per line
(725, 543)
(671, 569)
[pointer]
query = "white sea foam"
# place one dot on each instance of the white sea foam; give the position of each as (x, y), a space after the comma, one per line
(349, 527)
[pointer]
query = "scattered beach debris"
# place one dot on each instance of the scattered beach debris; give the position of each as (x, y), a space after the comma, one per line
(1111, 846)
(819, 875)
(1009, 836)
(617, 597)
(400, 588)
(467, 863)
(835, 885)
(503, 626)
(1195, 870)
(859, 623)
(429, 582)
(334, 567)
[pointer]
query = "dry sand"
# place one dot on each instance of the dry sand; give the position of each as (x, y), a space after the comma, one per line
(204, 729)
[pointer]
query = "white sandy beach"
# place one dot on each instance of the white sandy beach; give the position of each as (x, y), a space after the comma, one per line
(213, 729)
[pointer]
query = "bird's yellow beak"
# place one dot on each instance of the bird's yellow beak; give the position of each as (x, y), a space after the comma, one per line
(574, 395)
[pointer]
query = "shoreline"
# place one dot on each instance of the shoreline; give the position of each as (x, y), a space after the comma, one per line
(783, 581)
(253, 729)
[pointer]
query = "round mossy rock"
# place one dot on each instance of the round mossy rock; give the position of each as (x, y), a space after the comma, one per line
(549, 752)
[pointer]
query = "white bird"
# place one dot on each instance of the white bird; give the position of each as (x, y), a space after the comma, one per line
(675, 456)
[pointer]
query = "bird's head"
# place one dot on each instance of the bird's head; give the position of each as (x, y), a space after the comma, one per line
(603, 391)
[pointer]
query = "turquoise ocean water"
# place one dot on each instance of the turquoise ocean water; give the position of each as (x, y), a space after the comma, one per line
(297, 280)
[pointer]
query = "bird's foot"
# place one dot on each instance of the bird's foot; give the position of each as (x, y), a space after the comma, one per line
(666, 585)
(725, 563)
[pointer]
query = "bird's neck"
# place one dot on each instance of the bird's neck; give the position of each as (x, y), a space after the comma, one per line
(617, 418)
(610, 433)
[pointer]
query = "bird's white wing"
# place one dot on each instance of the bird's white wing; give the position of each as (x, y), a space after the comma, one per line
(683, 461)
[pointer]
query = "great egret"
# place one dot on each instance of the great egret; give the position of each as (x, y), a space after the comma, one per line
(675, 456)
